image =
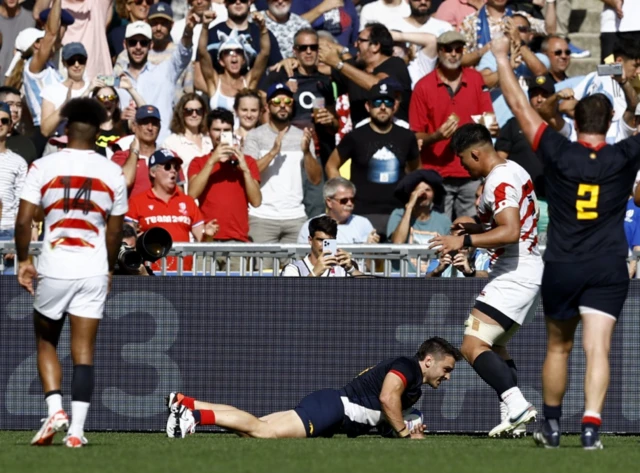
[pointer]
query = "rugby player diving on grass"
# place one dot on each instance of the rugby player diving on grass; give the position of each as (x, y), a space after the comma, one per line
(379, 397)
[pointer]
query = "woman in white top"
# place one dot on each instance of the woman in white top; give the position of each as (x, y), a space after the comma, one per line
(248, 109)
(233, 58)
(189, 135)
(54, 96)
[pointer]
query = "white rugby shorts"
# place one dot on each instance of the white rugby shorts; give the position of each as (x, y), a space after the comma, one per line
(80, 297)
(517, 300)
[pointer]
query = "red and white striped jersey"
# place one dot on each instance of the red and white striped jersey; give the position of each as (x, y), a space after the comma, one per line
(78, 190)
(509, 186)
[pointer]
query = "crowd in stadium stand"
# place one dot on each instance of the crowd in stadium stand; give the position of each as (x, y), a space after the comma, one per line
(244, 119)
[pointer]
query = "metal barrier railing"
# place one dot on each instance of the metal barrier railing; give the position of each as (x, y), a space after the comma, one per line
(254, 259)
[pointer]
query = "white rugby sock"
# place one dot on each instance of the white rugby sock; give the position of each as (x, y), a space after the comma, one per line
(514, 400)
(79, 412)
(54, 403)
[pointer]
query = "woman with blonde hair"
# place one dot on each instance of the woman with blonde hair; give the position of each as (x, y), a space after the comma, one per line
(189, 137)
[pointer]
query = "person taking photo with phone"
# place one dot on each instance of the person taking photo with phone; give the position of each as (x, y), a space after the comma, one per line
(325, 260)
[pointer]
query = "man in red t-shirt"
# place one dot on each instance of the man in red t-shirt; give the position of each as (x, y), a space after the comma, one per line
(442, 101)
(165, 205)
(225, 181)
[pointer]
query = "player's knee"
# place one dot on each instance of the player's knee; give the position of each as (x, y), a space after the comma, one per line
(478, 337)
(560, 347)
(596, 346)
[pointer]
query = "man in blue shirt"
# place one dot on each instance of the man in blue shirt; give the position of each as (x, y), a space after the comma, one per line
(156, 82)
(376, 398)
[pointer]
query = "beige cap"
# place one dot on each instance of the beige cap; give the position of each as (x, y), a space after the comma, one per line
(451, 37)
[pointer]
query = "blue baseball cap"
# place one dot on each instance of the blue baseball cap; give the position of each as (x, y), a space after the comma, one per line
(147, 111)
(73, 49)
(160, 10)
(66, 18)
(277, 89)
(163, 156)
(4, 107)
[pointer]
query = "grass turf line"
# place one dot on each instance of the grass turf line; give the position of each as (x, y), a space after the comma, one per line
(128, 452)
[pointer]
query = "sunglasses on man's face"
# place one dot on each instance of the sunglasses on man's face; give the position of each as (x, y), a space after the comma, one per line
(79, 59)
(190, 111)
(169, 166)
(560, 52)
(231, 2)
(106, 98)
(279, 101)
(524, 29)
(140, 2)
(344, 200)
(449, 49)
(229, 52)
(132, 43)
(5, 121)
(306, 47)
(389, 103)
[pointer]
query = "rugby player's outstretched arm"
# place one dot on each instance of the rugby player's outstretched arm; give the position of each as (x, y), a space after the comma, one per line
(517, 101)
(391, 402)
(506, 233)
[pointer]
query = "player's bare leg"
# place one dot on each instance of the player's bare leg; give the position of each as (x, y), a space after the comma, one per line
(188, 412)
(83, 339)
(494, 370)
(596, 341)
(560, 336)
(47, 337)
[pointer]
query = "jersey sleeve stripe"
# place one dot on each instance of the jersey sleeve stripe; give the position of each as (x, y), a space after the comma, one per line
(402, 377)
(536, 140)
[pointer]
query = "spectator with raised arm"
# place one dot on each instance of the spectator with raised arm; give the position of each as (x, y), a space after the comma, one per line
(13, 19)
(373, 63)
(338, 17)
(233, 59)
(156, 82)
(132, 11)
(91, 18)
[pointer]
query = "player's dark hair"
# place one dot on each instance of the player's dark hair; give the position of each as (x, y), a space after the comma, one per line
(84, 117)
(471, 134)
(593, 114)
(224, 115)
(324, 224)
(626, 48)
(438, 347)
(379, 34)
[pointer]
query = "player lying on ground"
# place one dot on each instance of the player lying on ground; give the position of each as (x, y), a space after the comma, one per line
(376, 398)
(508, 212)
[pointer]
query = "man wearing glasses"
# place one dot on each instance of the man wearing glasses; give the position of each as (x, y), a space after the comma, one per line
(442, 101)
(374, 63)
(557, 50)
(165, 205)
(283, 152)
(381, 153)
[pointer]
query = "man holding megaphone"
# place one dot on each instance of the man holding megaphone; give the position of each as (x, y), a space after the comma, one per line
(167, 207)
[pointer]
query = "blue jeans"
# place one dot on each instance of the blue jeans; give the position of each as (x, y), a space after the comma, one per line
(7, 235)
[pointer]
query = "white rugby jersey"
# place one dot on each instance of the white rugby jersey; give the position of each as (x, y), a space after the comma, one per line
(78, 190)
(509, 185)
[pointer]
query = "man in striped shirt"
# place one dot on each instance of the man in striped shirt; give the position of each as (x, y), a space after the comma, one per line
(13, 170)
(84, 199)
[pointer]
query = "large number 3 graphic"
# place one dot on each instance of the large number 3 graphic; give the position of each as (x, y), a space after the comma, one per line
(587, 205)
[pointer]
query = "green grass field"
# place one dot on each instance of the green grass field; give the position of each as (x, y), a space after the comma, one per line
(124, 453)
